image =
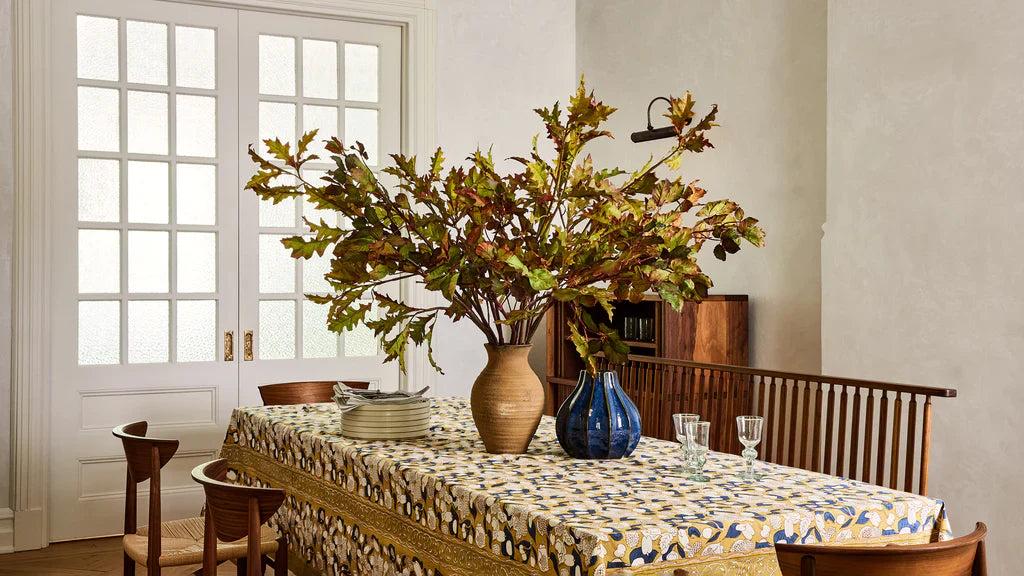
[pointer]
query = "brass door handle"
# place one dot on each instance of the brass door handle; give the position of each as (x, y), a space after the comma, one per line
(247, 345)
(229, 345)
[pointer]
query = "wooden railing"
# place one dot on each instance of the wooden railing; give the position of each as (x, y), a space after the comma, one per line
(876, 432)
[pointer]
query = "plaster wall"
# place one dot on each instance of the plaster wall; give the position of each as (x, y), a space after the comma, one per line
(763, 63)
(921, 268)
(497, 60)
(6, 244)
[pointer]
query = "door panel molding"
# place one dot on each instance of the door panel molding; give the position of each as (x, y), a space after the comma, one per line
(33, 140)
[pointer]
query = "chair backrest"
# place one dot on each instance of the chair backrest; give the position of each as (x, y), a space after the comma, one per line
(963, 556)
(145, 457)
(303, 392)
(233, 511)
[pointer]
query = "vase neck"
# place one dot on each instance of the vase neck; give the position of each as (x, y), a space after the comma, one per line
(507, 351)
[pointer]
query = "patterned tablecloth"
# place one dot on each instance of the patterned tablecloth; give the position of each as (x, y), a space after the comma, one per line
(440, 505)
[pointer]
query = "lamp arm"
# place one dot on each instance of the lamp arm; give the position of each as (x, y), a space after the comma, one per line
(649, 125)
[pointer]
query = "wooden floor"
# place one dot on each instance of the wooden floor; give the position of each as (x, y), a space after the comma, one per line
(99, 557)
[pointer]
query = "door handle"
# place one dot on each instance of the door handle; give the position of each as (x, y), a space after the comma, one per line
(247, 345)
(229, 345)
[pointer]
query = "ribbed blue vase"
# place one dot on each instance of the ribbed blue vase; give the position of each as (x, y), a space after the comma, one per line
(598, 420)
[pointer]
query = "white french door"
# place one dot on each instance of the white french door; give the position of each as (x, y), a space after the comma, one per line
(158, 252)
(343, 79)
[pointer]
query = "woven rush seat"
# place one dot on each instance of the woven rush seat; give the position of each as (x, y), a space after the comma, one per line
(181, 543)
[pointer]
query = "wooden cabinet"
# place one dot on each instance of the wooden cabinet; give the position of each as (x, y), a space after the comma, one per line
(714, 332)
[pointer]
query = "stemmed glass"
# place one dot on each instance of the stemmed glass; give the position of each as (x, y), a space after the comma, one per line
(697, 436)
(749, 428)
(679, 420)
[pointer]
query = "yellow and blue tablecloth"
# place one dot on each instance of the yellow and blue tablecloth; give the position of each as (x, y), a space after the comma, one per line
(441, 505)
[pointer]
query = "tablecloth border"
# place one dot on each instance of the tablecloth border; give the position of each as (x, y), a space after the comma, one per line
(433, 548)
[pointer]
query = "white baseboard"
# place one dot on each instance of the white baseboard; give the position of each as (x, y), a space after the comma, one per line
(6, 530)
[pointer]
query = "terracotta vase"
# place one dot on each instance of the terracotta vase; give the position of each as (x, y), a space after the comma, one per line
(507, 400)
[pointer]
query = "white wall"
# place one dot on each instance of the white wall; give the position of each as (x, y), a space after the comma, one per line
(922, 276)
(497, 60)
(763, 63)
(6, 244)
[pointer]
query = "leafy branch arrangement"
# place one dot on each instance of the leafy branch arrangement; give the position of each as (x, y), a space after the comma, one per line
(501, 249)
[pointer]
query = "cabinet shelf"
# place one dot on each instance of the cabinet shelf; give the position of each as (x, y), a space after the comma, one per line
(640, 344)
(714, 332)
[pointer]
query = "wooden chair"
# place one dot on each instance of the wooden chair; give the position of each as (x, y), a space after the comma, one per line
(234, 514)
(963, 556)
(303, 392)
(158, 545)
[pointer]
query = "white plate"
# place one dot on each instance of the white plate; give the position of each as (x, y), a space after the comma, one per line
(394, 407)
(346, 426)
(385, 436)
(358, 414)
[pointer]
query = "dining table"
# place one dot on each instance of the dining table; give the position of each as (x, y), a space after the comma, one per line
(440, 505)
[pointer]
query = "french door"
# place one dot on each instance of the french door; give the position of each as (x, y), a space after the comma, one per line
(173, 298)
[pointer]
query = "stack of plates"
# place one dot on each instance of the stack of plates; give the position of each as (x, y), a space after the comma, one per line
(387, 421)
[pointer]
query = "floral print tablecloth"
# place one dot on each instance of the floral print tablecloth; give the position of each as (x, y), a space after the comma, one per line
(441, 505)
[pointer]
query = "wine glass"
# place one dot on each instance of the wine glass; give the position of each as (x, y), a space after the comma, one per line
(697, 436)
(749, 428)
(679, 420)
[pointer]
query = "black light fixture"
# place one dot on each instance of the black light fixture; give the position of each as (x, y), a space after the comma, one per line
(653, 133)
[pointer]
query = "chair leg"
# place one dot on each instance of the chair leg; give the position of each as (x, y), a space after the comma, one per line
(281, 557)
(242, 566)
(129, 566)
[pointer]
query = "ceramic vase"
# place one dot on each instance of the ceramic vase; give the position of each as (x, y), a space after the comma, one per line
(507, 400)
(598, 420)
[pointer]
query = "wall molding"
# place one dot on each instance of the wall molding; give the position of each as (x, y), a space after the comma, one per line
(6, 530)
(30, 355)
(30, 378)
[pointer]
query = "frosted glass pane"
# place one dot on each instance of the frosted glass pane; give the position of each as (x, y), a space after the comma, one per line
(196, 330)
(361, 72)
(147, 52)
(324, 119)
(99, 190)
(277, 65)
(195, 51)
(148, 331)
(148, 259)
(320, 69)
(147, 122)
(147, 192)
(197, 262)
(360, 341)
(197, 126)
(309, 210)
(313, 271)
(97, 48)
(277, 267)
(99, 332)
(196, 193)
(99, 261)
(99, 119)
(361, 126)
(277, 329)
(277, 120)
(280, 215)
(317, 340)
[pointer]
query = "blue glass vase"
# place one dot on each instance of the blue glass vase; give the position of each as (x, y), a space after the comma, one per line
(598, 420)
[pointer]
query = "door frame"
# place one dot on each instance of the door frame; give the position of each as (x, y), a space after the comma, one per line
(31, 28)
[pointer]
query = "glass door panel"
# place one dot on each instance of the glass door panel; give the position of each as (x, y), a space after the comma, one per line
(343, 79)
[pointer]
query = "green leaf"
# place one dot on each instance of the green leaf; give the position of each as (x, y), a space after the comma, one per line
(541, 279)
